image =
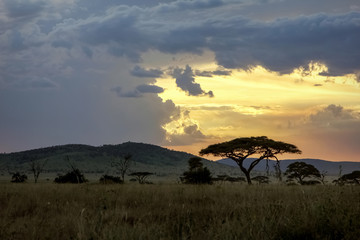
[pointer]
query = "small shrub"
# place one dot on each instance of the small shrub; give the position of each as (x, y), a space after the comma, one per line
(18, 178)
(107, 179)
(74, 176)
(261, 179)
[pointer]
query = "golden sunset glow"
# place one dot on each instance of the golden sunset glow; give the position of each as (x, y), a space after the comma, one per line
(261, 102)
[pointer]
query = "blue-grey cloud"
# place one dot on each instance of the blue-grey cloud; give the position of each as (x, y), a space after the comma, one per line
(188, 5)
(285, 44)
(23, 8)
(126, 94)
(145, 88)
(63, 44)
(185, 81)
(212, 73)
(238, 42)
(138, 71)
(138, 92)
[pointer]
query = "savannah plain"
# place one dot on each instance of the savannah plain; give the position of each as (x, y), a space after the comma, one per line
(178, 211)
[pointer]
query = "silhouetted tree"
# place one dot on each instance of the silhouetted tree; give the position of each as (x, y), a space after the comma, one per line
(18, 178)
(37, 167)
(141, 176)
(350, 178)
(197, 174)
(122, 164)
(299, 171)
(240, 149)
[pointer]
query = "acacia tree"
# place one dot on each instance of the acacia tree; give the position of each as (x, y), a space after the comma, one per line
(299, 171)
(350, 178)
(141, 176)
(240, 149)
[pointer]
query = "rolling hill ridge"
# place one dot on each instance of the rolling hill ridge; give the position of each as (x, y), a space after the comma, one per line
(90, 159)
(145, 157)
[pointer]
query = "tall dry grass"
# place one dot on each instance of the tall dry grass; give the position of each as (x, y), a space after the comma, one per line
(172, 211)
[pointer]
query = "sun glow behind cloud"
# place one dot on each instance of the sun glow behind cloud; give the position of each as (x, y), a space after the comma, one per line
(261, 102)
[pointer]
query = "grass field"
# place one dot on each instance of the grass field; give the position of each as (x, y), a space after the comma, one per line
(174, 211)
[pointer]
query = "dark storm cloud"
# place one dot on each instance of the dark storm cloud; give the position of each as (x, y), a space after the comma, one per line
(185, 81)
(238, 42)
(285, 44)
(138, 71)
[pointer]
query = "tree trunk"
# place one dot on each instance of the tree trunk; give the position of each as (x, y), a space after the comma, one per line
(248, 179)
(245, 171)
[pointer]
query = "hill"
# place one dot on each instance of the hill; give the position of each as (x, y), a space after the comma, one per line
(332, 168)
(97, 160)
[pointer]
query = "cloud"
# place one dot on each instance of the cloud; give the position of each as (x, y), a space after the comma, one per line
(145, 88)
(211, 73)
(222, 72)
(78, 48)
(42, 84)
(138, 71)
(138, 91)
(126, 94)
(188, 5)
(183, 130)
(185, 81)
(23, 8)
(285, 44)
(280, 45)
(334, 116)
(332, 130)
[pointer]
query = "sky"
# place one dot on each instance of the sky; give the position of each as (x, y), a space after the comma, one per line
(181, 74)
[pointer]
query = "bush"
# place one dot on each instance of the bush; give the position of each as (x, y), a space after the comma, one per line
(107, 179)
(223, 178)
(18, 178)
(261, 179)
(74, 176)
(197, 174)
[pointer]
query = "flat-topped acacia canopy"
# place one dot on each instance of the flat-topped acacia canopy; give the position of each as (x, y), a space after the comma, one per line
(241, 148)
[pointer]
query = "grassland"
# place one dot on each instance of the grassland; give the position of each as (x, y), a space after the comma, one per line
(174, 211)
